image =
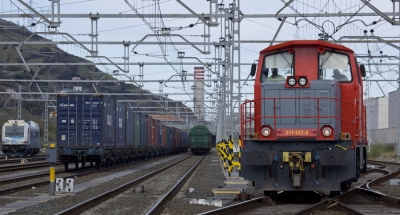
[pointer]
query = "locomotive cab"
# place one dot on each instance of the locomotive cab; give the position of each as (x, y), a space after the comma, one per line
(305, 129)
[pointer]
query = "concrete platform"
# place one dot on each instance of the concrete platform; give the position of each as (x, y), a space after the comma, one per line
(25, 202)
(234, 184)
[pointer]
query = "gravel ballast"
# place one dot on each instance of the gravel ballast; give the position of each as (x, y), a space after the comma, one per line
(59, 204)
(207, 176)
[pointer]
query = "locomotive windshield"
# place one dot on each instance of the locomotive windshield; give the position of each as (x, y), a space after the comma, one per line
(334, 66)
(14, 130)
(13, 134)
(277, 67)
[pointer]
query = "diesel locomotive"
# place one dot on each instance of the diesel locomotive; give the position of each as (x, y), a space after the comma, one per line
(305, 129)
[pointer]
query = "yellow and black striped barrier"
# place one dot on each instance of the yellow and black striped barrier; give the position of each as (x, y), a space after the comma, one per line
(229, 154)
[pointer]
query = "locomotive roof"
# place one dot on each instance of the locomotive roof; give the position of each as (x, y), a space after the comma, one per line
(295, 43)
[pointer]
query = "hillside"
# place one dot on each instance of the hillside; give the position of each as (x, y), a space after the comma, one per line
(48, 54)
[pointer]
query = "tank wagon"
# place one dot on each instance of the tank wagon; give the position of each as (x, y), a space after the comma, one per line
(97, 129)
(20, 138)
(305, 130)
(200, 140)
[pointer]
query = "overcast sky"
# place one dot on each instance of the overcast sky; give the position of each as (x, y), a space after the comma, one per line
(251, 29)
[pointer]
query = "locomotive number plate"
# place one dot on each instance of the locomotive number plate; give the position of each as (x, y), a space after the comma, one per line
(296, 132)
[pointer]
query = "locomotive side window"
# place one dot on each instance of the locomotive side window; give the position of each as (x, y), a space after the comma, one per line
(277, 67)
(334, 66)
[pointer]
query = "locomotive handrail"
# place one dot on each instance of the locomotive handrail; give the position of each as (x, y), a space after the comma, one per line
(247, 113)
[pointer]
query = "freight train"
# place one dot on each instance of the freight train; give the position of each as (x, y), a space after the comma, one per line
(20, 138)
(200, 140)
(305, 130)
(97, 129)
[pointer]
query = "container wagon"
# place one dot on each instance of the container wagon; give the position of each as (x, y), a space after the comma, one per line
(97, 129)
(200, 140)
(20, 138)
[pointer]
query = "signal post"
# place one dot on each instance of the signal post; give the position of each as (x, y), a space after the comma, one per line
(51, 157)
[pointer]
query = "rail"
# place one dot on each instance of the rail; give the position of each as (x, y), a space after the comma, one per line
(159, 206)
(79, 208)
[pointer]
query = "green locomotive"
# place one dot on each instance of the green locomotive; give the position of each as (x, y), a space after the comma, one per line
(200, 140)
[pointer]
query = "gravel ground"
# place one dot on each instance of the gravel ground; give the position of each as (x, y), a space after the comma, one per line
(208, 175)
(59, 204)
(386, 188)
(4, 201)
(36, 180)
(131, 202)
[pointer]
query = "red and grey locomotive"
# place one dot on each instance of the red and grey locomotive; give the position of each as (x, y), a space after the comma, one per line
(305, 130)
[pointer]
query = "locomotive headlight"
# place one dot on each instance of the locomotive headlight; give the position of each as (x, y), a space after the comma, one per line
(302, 81)
(266, 132)
(327, 132)
(291, 81)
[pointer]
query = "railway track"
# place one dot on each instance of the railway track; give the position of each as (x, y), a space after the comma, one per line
(99, 199)
(41, 183)
(362, 202)
(18, 160)
(9, 168)
(86, 171)
(159, 206)
(362, 199)
(384, 164)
